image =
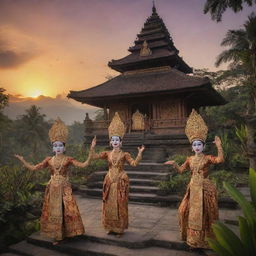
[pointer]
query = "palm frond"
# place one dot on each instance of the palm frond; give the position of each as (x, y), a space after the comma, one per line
(236, 38)
(227, 56)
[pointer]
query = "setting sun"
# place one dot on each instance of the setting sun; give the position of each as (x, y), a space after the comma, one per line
(35, 94)
(35, 85)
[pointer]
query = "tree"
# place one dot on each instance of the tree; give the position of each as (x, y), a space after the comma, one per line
(242, 55)
(32, 130)
(3, 99)
(76, 133)
(99, 115)
(218, 7)
(5, 123)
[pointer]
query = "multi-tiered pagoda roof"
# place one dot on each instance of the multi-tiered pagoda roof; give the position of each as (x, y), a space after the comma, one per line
(158, 38)
(160, 71)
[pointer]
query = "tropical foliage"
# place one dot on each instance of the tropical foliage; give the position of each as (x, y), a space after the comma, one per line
(242, 56)
(32, 130)
(227, 243)
(19, 204)
(218, 7)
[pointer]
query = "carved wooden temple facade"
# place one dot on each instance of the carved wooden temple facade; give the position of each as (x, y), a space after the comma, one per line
(155, 91)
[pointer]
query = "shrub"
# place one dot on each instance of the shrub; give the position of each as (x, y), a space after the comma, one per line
(80, 153)
(18, 204)
(218, 177)
(177, 183)
(227, 243)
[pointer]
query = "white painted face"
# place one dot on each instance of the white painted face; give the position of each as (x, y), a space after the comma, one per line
(197, 146)
(115, 142)
(58, 147)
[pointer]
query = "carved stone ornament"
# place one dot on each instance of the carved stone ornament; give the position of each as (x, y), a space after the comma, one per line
(145, 50)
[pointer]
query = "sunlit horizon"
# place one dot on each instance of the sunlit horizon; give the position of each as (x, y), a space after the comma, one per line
(72, 49)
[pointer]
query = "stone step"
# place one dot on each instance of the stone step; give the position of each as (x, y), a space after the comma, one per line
(133, 188)
(157, 167)
(144, 197)
(133, 182)
(9, 254)
(151, 154)
(28, 249)
(96, 176)
(143, 182)
(94, 246)
(172, 200)
(144, 189)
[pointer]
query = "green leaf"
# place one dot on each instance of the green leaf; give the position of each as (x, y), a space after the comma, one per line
(228, 239)
(246, 234)
(216, 246)
(248, 210)
(252, 185)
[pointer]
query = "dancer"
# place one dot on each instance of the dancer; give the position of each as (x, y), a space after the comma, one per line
(199, 207)
(116, 181)
(60, 215)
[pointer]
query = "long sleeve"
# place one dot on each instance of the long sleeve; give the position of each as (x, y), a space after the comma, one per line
(131, 161)
(217, 159)
(183, 167)
(82, 164)
(38, 166)
(101, 155)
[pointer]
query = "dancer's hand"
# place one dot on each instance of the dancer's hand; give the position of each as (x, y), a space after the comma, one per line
(171, 162)
(217, 141)
(21, 158)
(93, 144)
(141, 149)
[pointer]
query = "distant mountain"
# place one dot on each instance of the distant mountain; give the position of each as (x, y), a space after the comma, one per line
(67, 109)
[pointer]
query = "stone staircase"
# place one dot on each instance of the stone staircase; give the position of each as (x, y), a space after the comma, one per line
(145, 177)
(96, 246)
(144, 180)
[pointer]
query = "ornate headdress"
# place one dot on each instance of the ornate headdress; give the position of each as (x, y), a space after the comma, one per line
(58, 132)
(196, 128)
(116, 127)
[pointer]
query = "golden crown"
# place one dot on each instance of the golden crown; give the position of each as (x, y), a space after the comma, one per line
(116, 127)
(196, 128)
(58, 131)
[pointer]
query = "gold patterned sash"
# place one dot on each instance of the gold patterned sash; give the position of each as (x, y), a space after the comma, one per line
(111, 203)
(55, 200)
(195, 218)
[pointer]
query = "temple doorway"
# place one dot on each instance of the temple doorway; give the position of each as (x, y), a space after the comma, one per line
(140, 117)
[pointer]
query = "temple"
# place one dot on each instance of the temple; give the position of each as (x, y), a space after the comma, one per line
(154, 92)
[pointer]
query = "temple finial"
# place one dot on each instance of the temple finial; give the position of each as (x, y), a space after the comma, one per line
(154, 7)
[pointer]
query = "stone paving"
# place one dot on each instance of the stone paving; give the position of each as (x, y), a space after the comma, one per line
(153, 231)
(145, 221)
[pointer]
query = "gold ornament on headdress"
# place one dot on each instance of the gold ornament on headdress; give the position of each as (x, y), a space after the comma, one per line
(196, 128)
(58, 132)
(116, 127)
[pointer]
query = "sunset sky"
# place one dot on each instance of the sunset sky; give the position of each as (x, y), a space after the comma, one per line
(49, 47)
